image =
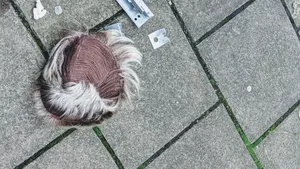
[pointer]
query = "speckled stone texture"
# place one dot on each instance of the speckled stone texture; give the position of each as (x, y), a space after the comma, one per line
(81, 150)
(256, 50)
(213, 143)
(281, 148)
(76, 15)
(22, 133)
(175, 91)
(202, 16)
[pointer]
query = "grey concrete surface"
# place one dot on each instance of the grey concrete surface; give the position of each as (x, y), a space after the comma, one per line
(82, 150)
(281, 149)
(256, 50)
(76, 15)
(175, 91)
(201, 16)
(22, 133)
(212, 143)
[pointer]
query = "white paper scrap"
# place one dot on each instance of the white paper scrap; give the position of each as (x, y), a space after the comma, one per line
(38, 11)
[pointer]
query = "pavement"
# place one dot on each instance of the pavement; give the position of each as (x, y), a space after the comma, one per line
(224, 93)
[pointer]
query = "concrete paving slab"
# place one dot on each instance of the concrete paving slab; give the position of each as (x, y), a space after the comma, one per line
(175, 91)
(212, 143)
(76, 15)
(81, 150)
(258, 48)
(280, 149)
(22, 133)
(201, 16)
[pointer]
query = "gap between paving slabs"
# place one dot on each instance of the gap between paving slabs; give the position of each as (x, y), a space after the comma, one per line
(193, 45)
(31, 31)
(108, 147)
(45, 148)
(96, 129)
(179, 135)
(45, 53)
(227, 19)
(213, 81)
(224, 21)
(291, 18)
(297, 104)
(275, 125)
(107, 21)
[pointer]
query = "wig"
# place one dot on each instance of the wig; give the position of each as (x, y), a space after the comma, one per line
(87, 77)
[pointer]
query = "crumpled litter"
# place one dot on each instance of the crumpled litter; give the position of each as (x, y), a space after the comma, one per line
(39, 11)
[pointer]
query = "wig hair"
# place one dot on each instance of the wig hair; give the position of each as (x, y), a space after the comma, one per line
(87, 77)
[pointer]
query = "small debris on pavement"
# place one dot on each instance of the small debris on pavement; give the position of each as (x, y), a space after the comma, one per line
(58, 10)
(4, 7)
(39, 11)
(249, 88)
(158, 38)
(296, 8)
(137, 11)
(116, 26)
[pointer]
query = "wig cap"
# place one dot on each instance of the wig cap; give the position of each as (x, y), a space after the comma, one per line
(87, 77)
